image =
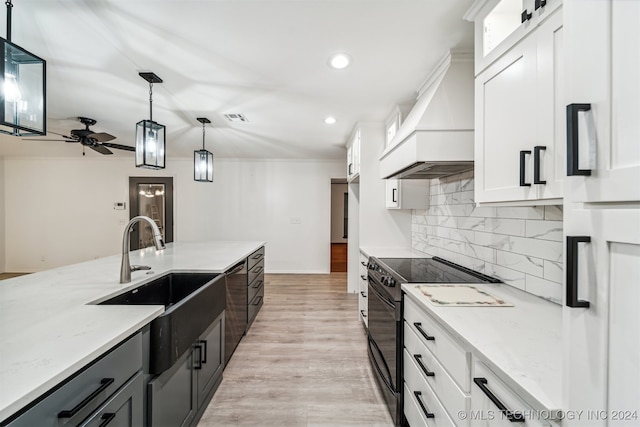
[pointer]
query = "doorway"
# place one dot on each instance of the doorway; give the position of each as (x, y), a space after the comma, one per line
(339, 230)
(152, 197)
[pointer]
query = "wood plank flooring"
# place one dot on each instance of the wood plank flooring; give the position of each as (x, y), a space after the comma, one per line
(303, 363)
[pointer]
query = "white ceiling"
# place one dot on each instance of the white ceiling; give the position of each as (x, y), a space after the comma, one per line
(266, 59)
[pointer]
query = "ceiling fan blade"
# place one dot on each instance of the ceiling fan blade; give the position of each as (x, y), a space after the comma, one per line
(101, 136)
(38, 139)
(100, 149)
(59, 134)
(119, 146)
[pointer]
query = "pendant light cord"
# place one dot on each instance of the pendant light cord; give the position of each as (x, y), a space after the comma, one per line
(202, 135)
(9, 6)
(150, 101)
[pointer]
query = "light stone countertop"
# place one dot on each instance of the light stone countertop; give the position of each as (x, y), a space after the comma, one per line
(392, 252)
(49, 328)
(522, 344)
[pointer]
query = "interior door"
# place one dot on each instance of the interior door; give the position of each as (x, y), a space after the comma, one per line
(151, 197)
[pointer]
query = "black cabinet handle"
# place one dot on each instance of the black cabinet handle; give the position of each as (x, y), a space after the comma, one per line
(203, 343)
(426, 412)
(257, 284)
(363, 277)
(427, 372)
(104, 383)
(525, 16)
(350, 172)
(257, 256)
(536, 164)
(393, 195)
(362, 313)
(572, 139)
(418, 326)
(199, 358)
(514, 417)
(257, 270)
(572, 271)
(258, 300)
(540, 3)
(523, 168)
(363, 294)
(364, 263)
(106, 418)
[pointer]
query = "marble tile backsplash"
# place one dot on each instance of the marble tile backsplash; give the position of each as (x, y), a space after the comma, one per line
(522, 246)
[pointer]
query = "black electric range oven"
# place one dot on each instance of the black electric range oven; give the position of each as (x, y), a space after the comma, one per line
(385, 340)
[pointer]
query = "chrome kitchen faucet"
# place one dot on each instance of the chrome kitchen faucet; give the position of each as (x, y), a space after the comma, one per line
(125, 267)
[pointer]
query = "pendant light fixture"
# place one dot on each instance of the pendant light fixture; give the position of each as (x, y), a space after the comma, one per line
(203, 159)
(150, 136)
(23, 101)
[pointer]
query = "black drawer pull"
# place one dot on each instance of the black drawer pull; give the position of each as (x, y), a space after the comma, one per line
(363, 277)
(540, 3)
(106, 418)
(349, 170)
(514, 417)
(427, 372)
(362, 313)
(572, 139)
(525, 16)
(257, 301)
(536, 164)
(426, 412)
(393, 195)
(203, 343)
(257, 256)
(363, 294)
(523, 170)
(364, 264)
(572, 271)
(104, 383)
(257, 269)
(418, 326)
(257, 284)
(199, 358)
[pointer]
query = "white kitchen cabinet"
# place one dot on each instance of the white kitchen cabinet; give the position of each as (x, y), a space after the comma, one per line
(602, 214)
(493, 403)
(519, 123)
(353, 156)
(499, 24)
(363, 290)
(407, 194)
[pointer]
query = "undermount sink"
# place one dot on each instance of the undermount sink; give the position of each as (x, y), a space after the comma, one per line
(192, 302)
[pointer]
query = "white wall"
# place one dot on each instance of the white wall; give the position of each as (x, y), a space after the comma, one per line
(337, 212)
(2, 215)
(60, 211)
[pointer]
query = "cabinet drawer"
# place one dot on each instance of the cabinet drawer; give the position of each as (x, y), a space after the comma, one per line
(256, 271)
(482, 404)
(255, 257)
(446, 349)
(84, 393)
(255, 286)
(124, 408)
(422, 407)
(256, 304)
(431, 371)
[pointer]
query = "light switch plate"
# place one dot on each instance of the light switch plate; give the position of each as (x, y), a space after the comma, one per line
(120, 206)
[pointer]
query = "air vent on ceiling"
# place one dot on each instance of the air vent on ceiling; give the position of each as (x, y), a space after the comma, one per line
(236, 117)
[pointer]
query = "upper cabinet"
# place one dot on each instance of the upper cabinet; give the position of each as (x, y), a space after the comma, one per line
(519, 138)
(499, 24)
(353, 156)
(407, 194)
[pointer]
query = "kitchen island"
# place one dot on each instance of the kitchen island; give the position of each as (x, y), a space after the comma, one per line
(51, 327)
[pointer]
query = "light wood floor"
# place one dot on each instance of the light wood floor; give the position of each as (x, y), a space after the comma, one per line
(303, 363)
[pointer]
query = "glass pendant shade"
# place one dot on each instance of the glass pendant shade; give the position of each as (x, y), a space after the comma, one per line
(150, 145)
(23, 104)
(203, 166)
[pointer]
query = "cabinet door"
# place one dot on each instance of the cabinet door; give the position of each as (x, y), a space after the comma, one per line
(208, 360)
(392, 194)
(602, 40)
(601, 329)
(505, 103)
(171, 399)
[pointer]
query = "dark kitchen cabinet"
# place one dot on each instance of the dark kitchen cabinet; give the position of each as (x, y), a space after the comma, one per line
(255, 294)
(178, 396)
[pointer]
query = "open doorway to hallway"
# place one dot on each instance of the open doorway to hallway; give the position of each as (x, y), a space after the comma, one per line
(152, 197)
(339, 228)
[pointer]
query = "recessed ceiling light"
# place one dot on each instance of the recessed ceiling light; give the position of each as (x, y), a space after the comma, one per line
(330, 120)
(340, 61)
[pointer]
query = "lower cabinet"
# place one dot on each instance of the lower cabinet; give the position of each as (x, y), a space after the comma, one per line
(109, 388)
(178, 396)
(255, 285)
(363, 290)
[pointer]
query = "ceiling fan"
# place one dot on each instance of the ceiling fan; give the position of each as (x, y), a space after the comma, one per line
(97, 141)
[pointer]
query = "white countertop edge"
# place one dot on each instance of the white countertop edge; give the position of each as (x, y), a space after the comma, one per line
(538, 402)
(392, 252)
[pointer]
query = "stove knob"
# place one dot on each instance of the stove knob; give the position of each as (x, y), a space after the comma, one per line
(391, 282)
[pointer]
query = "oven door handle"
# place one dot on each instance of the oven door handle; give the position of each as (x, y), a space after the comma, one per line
(382, 297)
(374, 347)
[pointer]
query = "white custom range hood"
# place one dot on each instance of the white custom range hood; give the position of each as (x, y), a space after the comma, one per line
(436, 138)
